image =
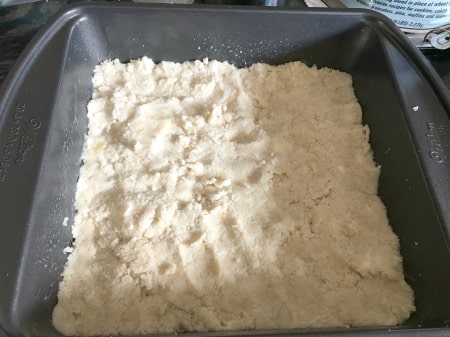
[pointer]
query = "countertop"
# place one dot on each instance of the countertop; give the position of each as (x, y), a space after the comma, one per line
(19, 23)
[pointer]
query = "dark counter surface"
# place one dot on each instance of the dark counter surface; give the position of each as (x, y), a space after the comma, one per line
(18, 24)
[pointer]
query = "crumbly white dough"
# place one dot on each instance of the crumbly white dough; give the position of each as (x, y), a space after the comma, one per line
(217, 198)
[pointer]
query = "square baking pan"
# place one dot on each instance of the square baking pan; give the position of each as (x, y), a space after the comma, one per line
(43, 122)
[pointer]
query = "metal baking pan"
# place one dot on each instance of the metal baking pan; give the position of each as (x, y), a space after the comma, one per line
(43, 121)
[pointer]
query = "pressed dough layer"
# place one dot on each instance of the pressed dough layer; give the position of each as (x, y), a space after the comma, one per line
(217, 198)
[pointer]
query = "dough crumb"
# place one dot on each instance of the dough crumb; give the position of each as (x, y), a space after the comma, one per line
(215, 198)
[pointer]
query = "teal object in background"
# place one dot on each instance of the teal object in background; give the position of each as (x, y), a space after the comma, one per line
(18, 24)
(16, 2)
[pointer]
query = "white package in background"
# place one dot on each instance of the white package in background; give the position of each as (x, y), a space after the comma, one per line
(427, 23)
(408, 14)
